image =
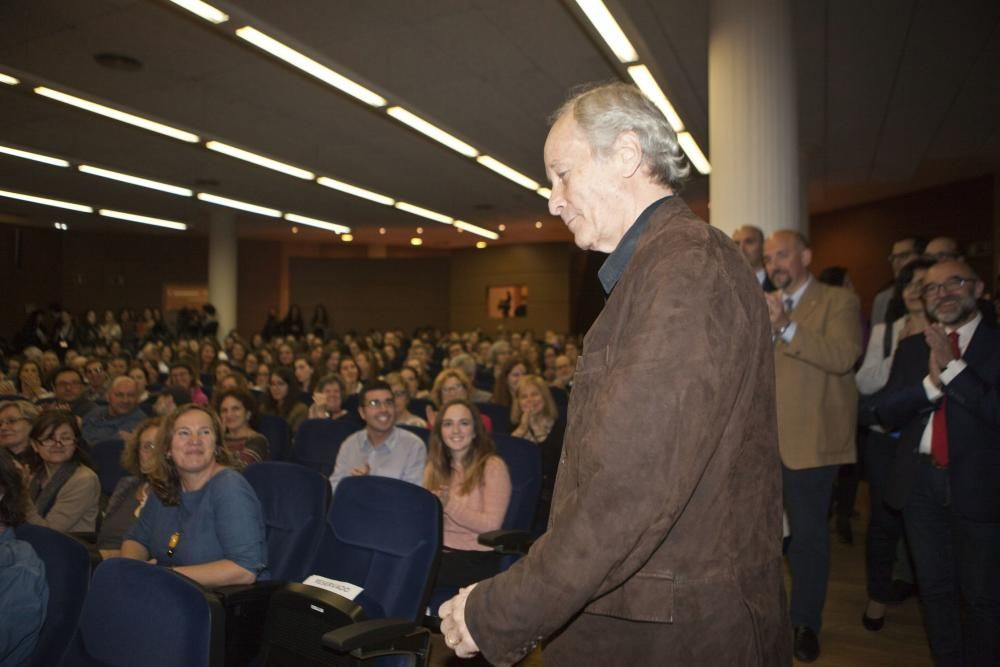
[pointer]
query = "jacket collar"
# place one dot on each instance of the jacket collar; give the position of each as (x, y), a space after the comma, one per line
(614, 266)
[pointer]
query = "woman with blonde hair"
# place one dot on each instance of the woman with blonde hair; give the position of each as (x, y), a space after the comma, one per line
(538, 420)
(203, 519)
(473, 484)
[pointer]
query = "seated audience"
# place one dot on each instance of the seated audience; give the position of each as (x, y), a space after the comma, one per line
(140, 460)
(119, 418)
(328, 399)
(467, 364)
(305, 379)
(236, 409)
(413, 382)
(536, 418)
(474, 486)
(348, 370)
(564, 371)
(181, 375)
(380, 448)
(97, 379)
(401, 394)
(452, 384)
(509, 374)
(29, 381)
(16, 420)
(68, 387)
(233, 381)
(63, 486)
(23, 586)
(282, 400)
(203, 519)
(170, 399)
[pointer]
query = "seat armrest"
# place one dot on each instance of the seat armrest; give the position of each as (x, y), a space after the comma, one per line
(507, 541)
(367, 633)
(246, 593)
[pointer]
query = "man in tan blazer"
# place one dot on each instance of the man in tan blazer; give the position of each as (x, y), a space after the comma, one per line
(817, 340)
(664, 542)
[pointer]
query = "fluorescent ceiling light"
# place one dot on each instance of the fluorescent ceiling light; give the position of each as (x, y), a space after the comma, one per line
(310, 66)
(544, 192)
(427, 213)
(144, 219)
(37, 157)
(313, 222)
(461, 224)
(432, 131)
(605, 24)
(694, 153)
(8, 79)
(647, 84)
(115, 114)
(204, 10)
(135, 180)
(507, 172)
(259, 160)
(46, 201)
(355, 190)
(241, 205)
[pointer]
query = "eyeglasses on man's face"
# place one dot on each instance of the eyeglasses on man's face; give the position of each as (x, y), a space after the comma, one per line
(951, 286)
(375, 403)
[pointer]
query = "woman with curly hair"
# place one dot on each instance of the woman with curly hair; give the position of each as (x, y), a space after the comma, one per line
(472, 482)
(140, 459)
(203, 519)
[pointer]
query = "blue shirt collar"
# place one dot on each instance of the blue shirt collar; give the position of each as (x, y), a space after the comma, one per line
(614, 266)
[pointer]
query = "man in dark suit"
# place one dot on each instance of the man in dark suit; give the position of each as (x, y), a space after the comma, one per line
(750, 239)
(942, 394)
(664, 542)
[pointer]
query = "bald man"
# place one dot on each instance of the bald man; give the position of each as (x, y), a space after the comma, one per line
(750, 239)
(119, 417)
(817, 339)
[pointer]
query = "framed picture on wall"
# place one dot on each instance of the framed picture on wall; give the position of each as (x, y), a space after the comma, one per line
(506, 301)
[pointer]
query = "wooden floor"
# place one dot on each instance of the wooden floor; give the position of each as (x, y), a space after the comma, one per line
(844, 642)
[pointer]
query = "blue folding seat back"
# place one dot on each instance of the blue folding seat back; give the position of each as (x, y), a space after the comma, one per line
(561, 398)
(318, 441)
(137, 613)
(278, 434)
(419, 431)
(351, 404)
(498, 414)
(524, 464)
(67, 570)
(107, 456)
(294, 502)
(383, 535)
(418, 406)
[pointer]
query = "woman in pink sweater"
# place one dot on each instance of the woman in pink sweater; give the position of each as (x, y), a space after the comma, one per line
(473, 484)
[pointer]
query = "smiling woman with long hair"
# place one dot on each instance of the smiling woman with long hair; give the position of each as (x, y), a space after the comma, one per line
(64, 489)
(204, 520)
(472, 482)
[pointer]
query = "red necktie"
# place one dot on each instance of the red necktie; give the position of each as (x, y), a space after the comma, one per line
(939, 428)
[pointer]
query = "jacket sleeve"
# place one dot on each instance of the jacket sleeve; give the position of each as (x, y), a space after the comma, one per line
(835, 349)
(874, 371)
(976, 394)
(904, 397)
(78, 496)
(669, 386)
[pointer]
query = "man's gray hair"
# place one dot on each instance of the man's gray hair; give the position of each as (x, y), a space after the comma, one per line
(604, 111)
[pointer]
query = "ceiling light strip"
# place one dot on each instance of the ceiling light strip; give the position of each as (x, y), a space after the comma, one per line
(321, 224)
(143, 219)
(46, 201)
(115, 114)
(37, 157)
(430, 130)
(507, 172)
(606, 25)
(309, 66)
(486, 233)
(424, 212)
(8, 79)
(135, 180)
(545, 193)
(259, 160)
(347, 188)
(647, 84)
(237, 204)
(690, 148)
(204, 10)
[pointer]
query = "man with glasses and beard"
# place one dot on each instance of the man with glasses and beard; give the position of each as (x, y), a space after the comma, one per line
(942, 395)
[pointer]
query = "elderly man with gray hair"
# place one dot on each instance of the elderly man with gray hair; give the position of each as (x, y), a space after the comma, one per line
(119, 417)
(664, 541)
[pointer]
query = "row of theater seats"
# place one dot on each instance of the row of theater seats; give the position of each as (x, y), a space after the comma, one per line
(381, 534)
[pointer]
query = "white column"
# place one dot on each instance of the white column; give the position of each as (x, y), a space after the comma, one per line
(222, 268)
(752, 117)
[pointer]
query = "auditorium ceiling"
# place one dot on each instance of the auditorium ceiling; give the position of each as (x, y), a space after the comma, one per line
(893, 97)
